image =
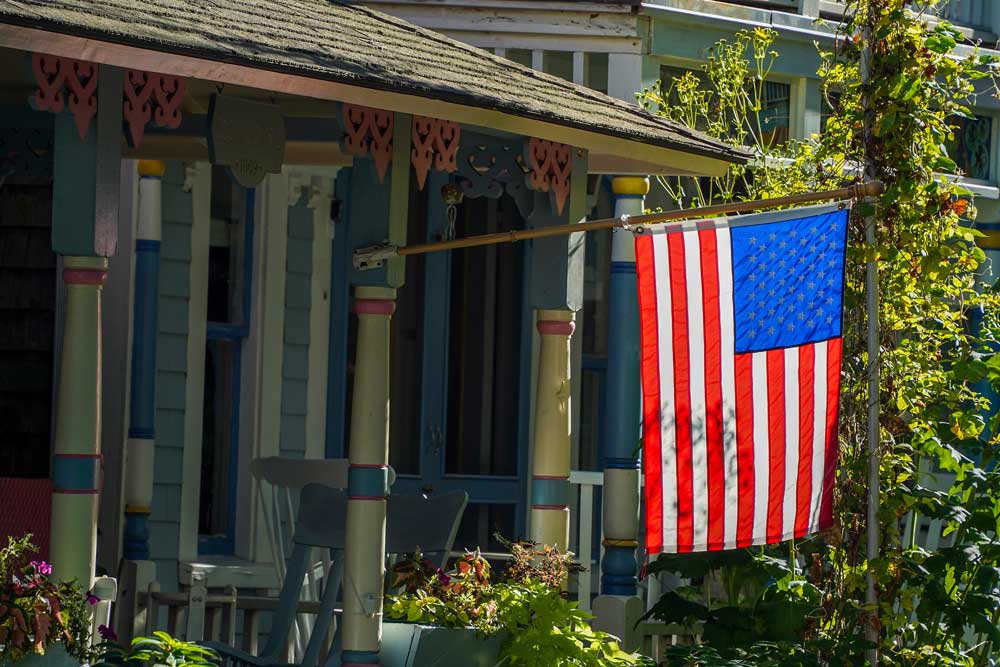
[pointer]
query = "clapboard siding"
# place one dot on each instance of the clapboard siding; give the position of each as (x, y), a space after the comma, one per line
(295, 359)
(171, 376)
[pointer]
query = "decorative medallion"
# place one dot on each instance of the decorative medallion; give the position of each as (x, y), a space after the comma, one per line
(148, 96)
(247, 136)
(58, 78)
(490, 169)
(550, 164)
(151, 96)
(434, 141)
(369, 131)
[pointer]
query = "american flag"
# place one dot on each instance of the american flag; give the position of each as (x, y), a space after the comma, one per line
(741, 350)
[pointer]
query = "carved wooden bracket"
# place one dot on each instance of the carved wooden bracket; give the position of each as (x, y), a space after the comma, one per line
(434, 141)
(151, 96)
(550, 164)
(369, 131)
(59, 78)
(148, 96)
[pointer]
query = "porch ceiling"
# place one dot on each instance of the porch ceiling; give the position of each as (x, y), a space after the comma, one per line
(331, 50)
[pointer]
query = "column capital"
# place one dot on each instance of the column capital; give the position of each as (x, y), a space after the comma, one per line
(636, 186)
(152, 168)
(85, 270)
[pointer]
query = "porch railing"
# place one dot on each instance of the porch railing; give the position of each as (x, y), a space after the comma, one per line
(974, 14)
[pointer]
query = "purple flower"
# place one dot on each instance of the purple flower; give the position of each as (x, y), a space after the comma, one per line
(443, 578)
(41, 567)
(107, 634)
(92, 599)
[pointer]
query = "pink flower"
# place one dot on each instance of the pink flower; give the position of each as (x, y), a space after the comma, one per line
(107, 634)
(443, 578)
(92, 599)
(41, 567)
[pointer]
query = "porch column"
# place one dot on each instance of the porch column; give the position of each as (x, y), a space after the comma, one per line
(142, 399)
(618, 606)
(364, 565)
(76, 461)
(550, 463)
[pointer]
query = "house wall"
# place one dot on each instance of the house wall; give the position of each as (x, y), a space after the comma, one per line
(171, 374)
(295, 365)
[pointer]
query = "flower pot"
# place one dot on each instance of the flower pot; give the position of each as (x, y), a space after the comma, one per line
(415, 645)
(55, 656)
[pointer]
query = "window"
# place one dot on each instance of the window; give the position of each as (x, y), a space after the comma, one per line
(970, 149)
(775, 113)
(229, 277)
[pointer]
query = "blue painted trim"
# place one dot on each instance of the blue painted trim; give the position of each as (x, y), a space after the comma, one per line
(524, 410)
(336, 394)
(145, 330)
(987, 226)
(136, 536)
(621, 463)
(365, 482)
(150, 177)
(76, 473)
(141, 433)
(618, 568)
(359, 658)
(623, 267)
(627, 196)
(550, 491)
(224, 545)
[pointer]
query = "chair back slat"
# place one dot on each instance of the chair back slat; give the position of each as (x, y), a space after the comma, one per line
(407, 527)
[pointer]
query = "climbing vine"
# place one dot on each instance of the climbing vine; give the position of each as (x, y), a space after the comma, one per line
(804, 603)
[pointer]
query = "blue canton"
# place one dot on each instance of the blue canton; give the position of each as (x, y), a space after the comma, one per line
(788, 281)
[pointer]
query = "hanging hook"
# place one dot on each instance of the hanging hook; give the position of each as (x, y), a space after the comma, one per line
(452, 196)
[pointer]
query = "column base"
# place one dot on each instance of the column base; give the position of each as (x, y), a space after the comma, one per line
(617, 615)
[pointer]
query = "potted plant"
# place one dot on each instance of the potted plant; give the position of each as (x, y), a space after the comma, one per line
(160, 650)
(463, 619)
(42, 622)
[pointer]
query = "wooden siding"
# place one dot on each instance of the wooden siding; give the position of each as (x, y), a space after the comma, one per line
(171, 355)
(295, 362)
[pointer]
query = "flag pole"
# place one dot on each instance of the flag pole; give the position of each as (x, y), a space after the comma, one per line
(871, 289)
(372, 257)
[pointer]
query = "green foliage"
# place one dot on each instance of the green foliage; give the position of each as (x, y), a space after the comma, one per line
(37, 612)
(160, 650)
(937, 454)
(540, 626)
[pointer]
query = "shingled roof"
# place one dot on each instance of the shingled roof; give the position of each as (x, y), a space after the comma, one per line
(358, 46)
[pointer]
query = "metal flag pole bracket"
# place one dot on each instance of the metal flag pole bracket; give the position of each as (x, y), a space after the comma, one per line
(373, 257)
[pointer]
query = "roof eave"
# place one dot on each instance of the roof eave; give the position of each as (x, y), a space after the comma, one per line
(616, 152)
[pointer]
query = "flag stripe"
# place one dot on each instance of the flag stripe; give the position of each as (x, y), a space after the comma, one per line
(745, 448)
(761, 447)
(833, 351)
(819, 436)
(652, 446)
(682, 393)
(790, 463)
(776, 442)
(727, 347)
(807, 411)
(664, 310)
(715, 472)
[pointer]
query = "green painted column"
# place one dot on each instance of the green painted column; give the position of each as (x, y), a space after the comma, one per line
(76, 467)
(367, 486)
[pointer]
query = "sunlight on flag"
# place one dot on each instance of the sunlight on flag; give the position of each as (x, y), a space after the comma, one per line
(741, 349)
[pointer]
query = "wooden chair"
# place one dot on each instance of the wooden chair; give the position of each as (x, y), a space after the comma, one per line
(320, 523)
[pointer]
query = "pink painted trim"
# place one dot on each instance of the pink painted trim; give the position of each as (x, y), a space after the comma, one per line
(368, 465)
(556, 328)
(77, 492)
(549, 507)
(380, 498)
(374, 306)
(79, 456)
(557, 477)
(85, 276)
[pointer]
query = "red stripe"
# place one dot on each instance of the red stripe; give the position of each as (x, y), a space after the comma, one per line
(807, 379)
(776, 443)
(744, 448)
(833, 353)
(713, 390)
(652, 447)
(682, 393)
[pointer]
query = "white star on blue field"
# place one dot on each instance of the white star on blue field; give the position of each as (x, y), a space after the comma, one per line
(788, 281)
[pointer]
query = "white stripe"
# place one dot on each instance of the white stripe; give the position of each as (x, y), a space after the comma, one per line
(791, 440)
(728, 348)
(761, 448)
(665, 347)
(819, 435)
(699, 413)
